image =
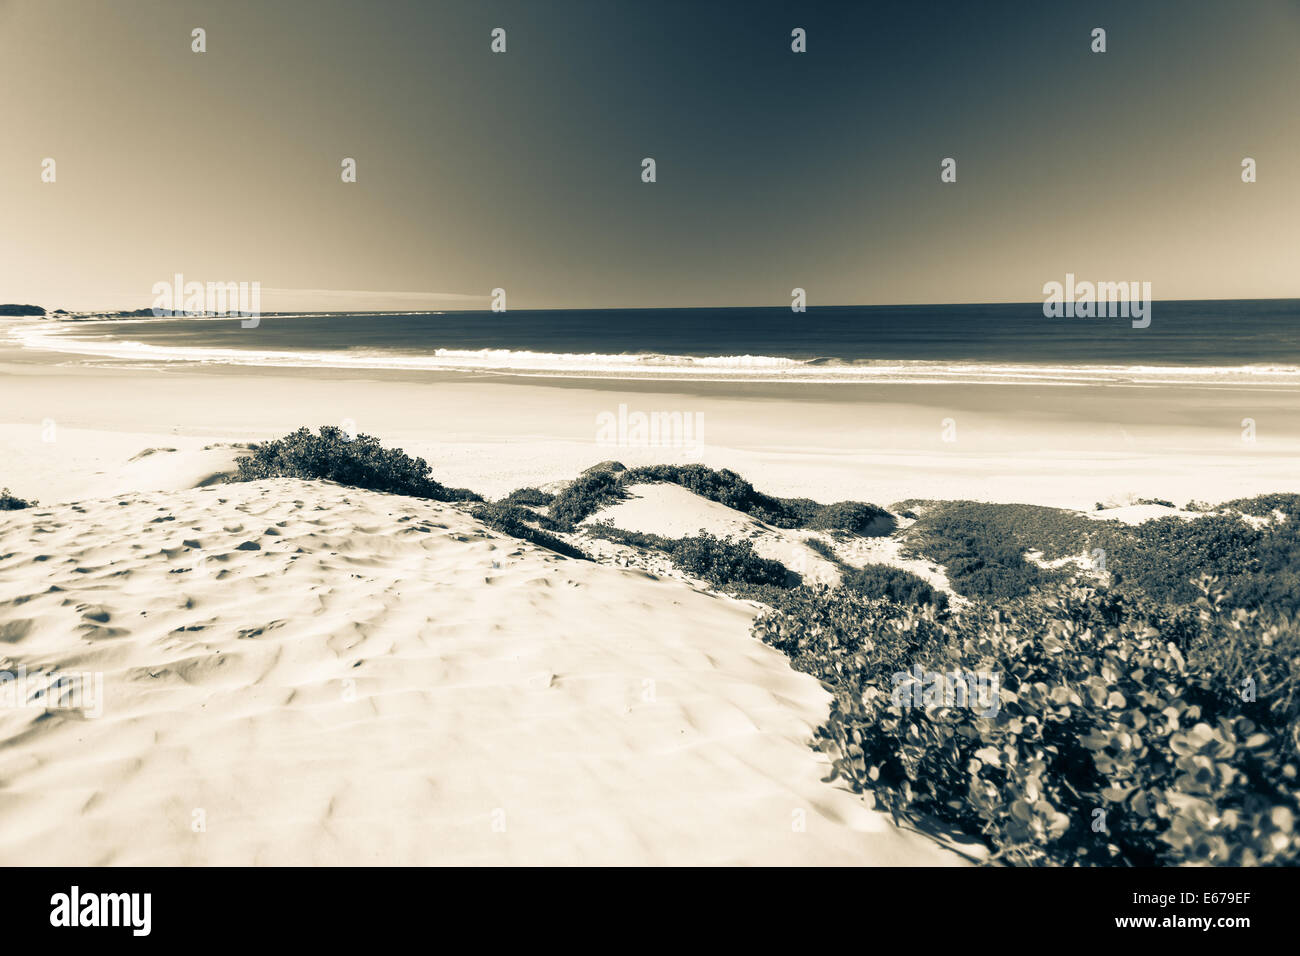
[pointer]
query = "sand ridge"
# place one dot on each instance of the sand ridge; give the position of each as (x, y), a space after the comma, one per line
(672, 511)
(301, 673)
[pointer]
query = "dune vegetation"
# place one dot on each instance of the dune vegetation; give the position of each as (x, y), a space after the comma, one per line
(360, 461)
(10, 502)
(1140, 707)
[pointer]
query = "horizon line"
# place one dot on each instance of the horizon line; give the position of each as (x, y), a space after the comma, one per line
(647, 308)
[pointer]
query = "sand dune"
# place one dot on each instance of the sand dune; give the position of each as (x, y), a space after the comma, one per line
(87, 463)
(672, 511)
(323, 675)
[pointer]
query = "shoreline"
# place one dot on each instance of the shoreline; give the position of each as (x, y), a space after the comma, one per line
(38, 337)
(1068, 447)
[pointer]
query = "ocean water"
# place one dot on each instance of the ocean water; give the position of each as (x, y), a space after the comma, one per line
(1254, 341)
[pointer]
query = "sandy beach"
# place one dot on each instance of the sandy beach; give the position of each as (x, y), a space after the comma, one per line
(437, 433)
(1066, 446)
(435, 693)
(438, 692)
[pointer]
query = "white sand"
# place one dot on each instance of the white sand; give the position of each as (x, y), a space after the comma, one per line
(334, 676)
(601, 715)
(671, 511)
(61, 424)
(1137, 514)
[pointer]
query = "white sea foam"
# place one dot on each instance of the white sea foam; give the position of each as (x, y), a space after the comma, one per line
(651, 366)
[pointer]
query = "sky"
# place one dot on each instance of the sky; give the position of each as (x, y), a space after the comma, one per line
(522, 170)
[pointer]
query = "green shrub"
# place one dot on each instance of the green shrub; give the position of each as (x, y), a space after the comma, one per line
(360, 462)
(1257, 567)
(635, 539)
(725, 487)
(824, 549)
(510, 520)
(1263, 506)
(528, 496)
(854, 517)
(770, 594)
(825, 631)
(10, 503)
(982, 546)
(729, 565)
(728, 488)
(896, 584)
(1119, 736)
(502, 511)
(1155, 501)
(722, 561)
(584, 496)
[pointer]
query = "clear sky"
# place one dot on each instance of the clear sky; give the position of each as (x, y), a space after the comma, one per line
(522, 170)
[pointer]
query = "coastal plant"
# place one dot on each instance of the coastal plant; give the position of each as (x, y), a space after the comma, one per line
(513, 521)
(528, 496)
(850, 517)
(584, 496)
(896, 584)
(359, 461)
(726, 564)
(725, 487)
(606, 482)
(1264, 506)
(824, 549)
(982, 548)
(1257, 567)
(9, 502)
(634, 539)
(1116, 739)
(723, 561)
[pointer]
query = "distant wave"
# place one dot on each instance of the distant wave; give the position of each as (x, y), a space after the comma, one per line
(657, 366)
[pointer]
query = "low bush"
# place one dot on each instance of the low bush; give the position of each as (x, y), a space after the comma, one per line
(1263, 506)
(853, 517)
(896, 584)
(584, 496)
(1155, 501)
(1116, 735)
(511, 520)
(9, 502)
(635, 539)
(1256, 567)
(360, 462)
(824, 549)
(528, 496)
(982, 546)
(722, 561)
(725, 487)
(770, 594)
(728, 488)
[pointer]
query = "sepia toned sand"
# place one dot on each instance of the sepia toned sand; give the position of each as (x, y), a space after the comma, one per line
(325, 675)
(322, 675)
(1062, 446)
(671, 511)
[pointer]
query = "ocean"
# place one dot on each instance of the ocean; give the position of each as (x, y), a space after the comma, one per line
(1188, 342)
